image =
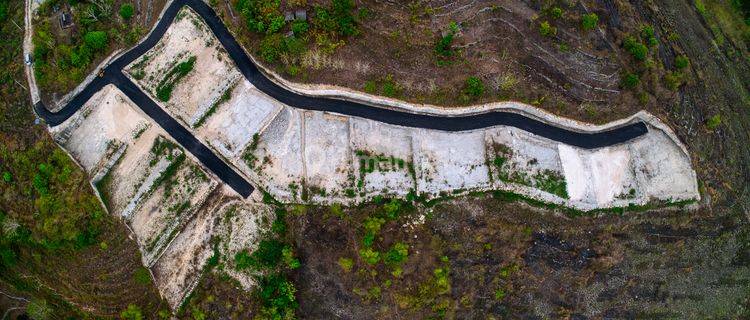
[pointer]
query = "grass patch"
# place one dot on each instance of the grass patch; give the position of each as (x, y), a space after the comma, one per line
(224, 98)
(166, 85)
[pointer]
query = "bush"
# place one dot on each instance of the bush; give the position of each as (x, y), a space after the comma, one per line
(164, 88)
(261, 16)
(681, 62)
(714, 122)
(3, 10)
(270, 47)
(96, 40)
(547, 30)
(346, 264)
(637, 49)
(556, 12)
(39, 309)
(268, 255)
(287, 255)
(133, 312)
(443, 48)
(278, 297)
(673, 80)
(649, 35)
(589, 21)
(397, 254)
(370, 256)
(300, 27)
(630, 80)
(142, 276)
(127, 11)
(473, 88)
(342, 11)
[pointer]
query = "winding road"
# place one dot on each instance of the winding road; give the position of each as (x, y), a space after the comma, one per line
(113, 74)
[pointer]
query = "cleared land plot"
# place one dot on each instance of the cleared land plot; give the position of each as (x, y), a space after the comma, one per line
(186, 95)
(276, 161)
(446, 162)
(382, 158)
(105, 123)
(327, 156)
(231, 128)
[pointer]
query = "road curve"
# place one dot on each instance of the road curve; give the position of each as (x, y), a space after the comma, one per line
(112, 74)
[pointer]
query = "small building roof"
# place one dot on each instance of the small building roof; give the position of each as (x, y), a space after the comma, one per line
(66, 20)
(288, 16)
(300, 14)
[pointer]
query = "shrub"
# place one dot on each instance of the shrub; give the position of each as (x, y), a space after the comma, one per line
(127, 11)
(700, 7)
(277, 295)
(673, 80)
(3, 10)
(268, 255)
(681, 62)
(630, 80)
(547, 30)
(142, 276)
(300, 27)
(342, 11)
(393, 208)
(346, 264)
(473, 88)
(370, 87)
(589, 21)
(443, 48)
(714, 122)
(390, 88)
(261, 16)
(637, 49)
(39, 309)
(133, 312)
(271, 47)
(649, 35)
(370, 256)
(287, 255)
(397, 254)
(96, 40)
(556, 12)
(164, 89)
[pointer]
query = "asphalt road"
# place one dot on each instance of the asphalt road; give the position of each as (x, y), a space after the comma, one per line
(113, 74)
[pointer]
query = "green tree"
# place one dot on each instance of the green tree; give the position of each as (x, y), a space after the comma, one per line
(473, 88)
(589, 21)
(556, 12)
(127, 11)
(38, 310)
(342, 11)
(370, 256)
(546, 29)
(397, 254)
(681, 62)
(714, 122)
(300, 28)
(3, 9)
(96, 40)
(133, 312)
(638, 50)
(630, 80)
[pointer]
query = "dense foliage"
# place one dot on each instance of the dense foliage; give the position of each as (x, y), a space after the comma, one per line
(63, 57)
(328, 26)
(272, 260)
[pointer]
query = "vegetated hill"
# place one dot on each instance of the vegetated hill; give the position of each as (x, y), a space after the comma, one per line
(685, 61)
(72, 37)
(61, 254)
